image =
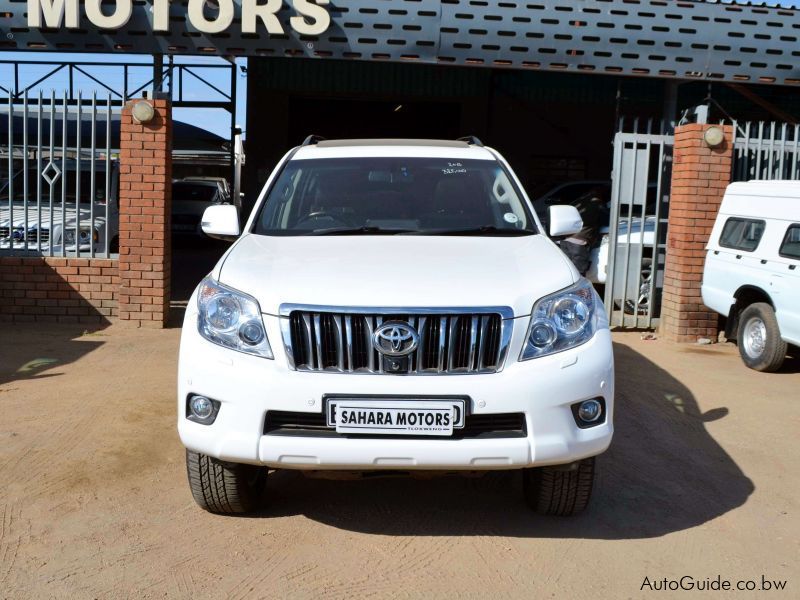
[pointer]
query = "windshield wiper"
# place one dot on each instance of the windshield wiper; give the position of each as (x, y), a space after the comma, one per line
(476, 231)
(359, 231)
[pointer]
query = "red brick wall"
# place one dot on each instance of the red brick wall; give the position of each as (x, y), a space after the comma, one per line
(699, 177)
(134, 288)
(145, 198)
(65, 290)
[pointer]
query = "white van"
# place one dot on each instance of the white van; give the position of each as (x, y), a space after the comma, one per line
(751, 273)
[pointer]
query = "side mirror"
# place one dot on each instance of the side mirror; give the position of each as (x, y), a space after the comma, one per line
(564, 220)
(221, 221)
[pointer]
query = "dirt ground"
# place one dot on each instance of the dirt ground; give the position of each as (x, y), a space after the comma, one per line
(701, 480)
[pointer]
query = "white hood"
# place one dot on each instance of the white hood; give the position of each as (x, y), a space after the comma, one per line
(396, 271)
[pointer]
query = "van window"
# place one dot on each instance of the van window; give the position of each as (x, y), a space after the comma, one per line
(742, 234)
(790, 248)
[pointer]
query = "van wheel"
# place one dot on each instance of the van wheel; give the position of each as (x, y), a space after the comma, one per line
(222, 487)
(759, 338)
(560, 490)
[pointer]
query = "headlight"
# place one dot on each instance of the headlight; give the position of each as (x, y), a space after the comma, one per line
(231, 319)
(564, 320)
(83, 236)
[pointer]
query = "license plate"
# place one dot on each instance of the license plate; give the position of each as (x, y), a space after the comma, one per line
(395, 417)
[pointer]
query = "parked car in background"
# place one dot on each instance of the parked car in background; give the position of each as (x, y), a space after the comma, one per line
(55, 223)
(190, 198)
(635, 239)
(752, 269)
(222, 183)
(567, 193)
(394, 305)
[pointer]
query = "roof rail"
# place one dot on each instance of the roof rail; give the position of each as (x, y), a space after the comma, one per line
(312, 139)
(471, 140)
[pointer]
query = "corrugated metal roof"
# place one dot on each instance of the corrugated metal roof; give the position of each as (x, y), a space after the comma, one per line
(773, 4)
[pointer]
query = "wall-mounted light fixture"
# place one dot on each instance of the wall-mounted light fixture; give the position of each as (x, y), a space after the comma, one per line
(713, 136)
(143, 111)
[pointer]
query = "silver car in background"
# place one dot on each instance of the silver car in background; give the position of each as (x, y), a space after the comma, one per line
(73, 215)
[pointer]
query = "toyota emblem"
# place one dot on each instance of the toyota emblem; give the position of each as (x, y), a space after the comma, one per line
(395, 338)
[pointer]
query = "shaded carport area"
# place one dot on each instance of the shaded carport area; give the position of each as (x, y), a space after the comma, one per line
(552, 127)
(197, 153)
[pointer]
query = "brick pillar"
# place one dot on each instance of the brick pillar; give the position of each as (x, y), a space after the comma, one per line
(145, 188)
(699, 177)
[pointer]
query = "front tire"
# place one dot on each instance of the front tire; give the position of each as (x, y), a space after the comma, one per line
(562, 491)
(759, 338)
(224, 488)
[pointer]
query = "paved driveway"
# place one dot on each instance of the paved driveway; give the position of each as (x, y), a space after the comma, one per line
(701, 480)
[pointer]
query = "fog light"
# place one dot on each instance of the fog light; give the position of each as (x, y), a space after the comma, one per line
(589, 411)
(201, 409)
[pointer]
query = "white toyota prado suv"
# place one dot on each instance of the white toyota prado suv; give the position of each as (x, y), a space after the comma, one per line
(394, 305)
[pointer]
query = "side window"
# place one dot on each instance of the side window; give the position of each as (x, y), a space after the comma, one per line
(742, 234)
(790, 248)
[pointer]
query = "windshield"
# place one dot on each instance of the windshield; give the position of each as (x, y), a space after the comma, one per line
(423, 196)
(189, 192)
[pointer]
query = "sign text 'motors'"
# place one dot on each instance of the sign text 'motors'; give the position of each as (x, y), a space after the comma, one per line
(311, 18)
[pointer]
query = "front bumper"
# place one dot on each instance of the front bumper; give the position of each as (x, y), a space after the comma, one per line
(248, 386)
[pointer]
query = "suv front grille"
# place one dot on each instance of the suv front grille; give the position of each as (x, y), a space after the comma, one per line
(475, 426)
(31, 235)
(473, 341)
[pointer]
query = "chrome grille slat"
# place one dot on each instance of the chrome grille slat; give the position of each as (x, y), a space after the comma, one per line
(457, 342)
(473, 342)
(420, 354)
(316, 319)
(348, 334)
(378, 322)
(309, 340)
(414, 356)
(337, 319)
(452, 348)
(485, 320)
(442, 342)
(368, 344)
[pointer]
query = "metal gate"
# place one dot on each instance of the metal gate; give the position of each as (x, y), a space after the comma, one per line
(58, 176)
(633, 252)
(766, 151)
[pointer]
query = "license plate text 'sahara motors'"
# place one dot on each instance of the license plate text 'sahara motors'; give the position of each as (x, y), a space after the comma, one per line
(393, 417)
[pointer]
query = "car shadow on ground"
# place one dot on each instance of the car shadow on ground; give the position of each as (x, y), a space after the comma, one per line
(663, 473)
(31, 348)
